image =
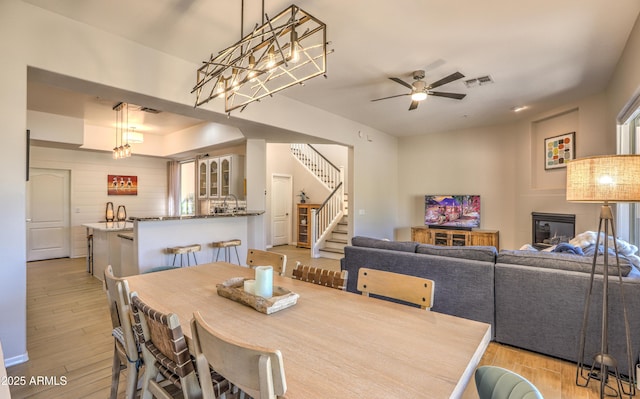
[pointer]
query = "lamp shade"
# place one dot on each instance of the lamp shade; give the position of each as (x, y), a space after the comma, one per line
(610, 178)
(133, 137)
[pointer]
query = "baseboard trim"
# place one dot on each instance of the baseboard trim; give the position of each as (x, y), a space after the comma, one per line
(12, 361)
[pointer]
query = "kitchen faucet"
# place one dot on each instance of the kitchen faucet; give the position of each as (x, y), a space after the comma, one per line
(224, 203)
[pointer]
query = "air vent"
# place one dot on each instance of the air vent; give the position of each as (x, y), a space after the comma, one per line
(150, 110)
(479, 81)
(483, 80)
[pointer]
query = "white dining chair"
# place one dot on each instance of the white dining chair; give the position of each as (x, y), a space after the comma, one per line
(256, 371)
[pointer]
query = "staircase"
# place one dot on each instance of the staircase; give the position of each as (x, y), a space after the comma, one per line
(330, 230)
(334, 245)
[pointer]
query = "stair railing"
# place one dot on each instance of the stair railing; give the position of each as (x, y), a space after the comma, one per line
(325, 218)
(325, 171)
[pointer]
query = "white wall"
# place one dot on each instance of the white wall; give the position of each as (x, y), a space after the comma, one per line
(256, 159)
(374, 207)
(55, 128)
(13, 114)
(503, 164)
(89, 172)
(625, 82)
(475, 161)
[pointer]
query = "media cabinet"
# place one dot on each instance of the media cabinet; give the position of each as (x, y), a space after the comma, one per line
(426, 235)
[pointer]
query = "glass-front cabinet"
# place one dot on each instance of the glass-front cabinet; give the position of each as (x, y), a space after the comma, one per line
(203, 178)
(214, 172)
(225, 174)
(221, 176)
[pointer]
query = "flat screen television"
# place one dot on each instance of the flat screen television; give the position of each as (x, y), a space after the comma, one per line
(452, 211)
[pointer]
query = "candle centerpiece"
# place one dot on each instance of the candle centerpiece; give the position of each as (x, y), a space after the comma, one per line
(250, 286)
(264, 281)
(236, 289)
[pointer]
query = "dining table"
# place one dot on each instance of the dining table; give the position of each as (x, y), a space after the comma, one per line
(334, 343)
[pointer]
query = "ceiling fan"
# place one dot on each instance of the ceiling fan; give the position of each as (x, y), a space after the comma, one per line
(420, 90)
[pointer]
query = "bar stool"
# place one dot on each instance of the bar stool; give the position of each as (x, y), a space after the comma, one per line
(90, 253)
(226, 245)
(182, 250)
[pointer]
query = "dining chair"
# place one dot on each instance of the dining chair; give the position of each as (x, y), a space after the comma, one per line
(126, 355)
(256, 371)
(317, 275)
(411, 289)
(165, 352)
(497, 383)
(256, 257)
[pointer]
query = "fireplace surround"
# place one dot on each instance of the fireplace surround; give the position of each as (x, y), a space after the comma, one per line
(550, 229)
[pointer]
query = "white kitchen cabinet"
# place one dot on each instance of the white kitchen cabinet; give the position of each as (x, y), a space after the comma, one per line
(232, 176)
(203, 178)
(214, 178)
(221, 176)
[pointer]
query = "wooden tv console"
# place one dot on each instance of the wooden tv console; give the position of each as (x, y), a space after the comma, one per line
(447, 237)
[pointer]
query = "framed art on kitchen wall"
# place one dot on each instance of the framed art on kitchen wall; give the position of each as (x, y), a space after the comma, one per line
(122, 185)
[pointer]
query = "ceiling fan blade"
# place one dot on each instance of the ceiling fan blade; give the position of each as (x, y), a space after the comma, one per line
(402, 82)
(414, 105)
(385, 98)
(456, 96)
(448, 79)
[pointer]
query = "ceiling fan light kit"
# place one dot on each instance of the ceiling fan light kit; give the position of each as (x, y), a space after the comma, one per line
(284, 51)
(420, 90)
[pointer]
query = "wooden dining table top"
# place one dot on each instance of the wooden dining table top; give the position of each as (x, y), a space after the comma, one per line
(334, 343)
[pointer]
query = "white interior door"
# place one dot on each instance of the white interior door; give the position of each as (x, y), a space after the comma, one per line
(47, 214)
(281, 199)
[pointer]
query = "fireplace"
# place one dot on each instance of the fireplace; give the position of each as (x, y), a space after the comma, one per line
(552, 228)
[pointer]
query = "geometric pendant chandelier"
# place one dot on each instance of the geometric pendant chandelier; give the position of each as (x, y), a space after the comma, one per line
(284, 51)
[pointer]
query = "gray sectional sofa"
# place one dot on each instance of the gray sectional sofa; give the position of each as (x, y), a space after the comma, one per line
(533, 300)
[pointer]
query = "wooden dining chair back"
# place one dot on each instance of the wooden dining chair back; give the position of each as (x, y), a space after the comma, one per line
(125, 353)
(328, 278)
(164, 351)
(411, 289)
(256, 257)
(256, 371)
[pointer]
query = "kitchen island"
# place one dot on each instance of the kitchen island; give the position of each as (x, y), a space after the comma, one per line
(106, 245)
(153, 235)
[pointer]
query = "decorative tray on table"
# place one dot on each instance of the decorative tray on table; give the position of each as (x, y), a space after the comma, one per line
(234, 289)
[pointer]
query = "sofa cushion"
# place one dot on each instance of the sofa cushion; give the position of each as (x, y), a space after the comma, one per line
(481, 253)
(561, 261)
(404, 246)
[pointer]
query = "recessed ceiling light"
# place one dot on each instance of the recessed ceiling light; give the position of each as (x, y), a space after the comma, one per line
(518, 109)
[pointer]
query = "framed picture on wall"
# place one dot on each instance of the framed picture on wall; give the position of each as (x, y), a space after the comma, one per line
(122, 185)
(558, 150)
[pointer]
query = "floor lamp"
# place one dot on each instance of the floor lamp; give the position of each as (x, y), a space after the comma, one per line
(604, 179)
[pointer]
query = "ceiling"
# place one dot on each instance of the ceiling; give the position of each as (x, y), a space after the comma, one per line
(539, 53)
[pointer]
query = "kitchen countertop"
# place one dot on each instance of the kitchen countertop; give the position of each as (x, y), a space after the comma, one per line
(211, 216)
(109, 226)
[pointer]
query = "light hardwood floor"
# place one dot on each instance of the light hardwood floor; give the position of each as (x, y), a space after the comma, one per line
(69, 335)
